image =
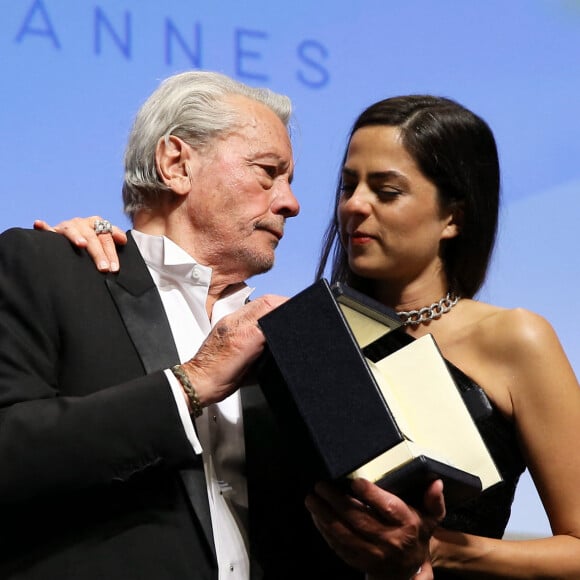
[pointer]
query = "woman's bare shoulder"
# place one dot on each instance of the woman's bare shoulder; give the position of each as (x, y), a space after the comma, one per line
(525, 347)
(516, 329)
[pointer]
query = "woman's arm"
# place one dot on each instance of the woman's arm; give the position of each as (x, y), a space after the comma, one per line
(524, 352)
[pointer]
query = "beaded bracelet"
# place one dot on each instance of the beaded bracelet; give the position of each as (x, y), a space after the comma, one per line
(181, 376)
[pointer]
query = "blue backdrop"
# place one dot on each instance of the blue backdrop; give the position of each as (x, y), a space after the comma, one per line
(75, 72)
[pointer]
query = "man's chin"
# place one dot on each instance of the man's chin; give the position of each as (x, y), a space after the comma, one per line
(262, 269)
(260, 265)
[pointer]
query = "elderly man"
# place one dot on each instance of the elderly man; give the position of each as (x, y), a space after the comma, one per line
(209, 166)
(127, 450)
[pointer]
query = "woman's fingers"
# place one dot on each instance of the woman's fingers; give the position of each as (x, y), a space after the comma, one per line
(94, 233)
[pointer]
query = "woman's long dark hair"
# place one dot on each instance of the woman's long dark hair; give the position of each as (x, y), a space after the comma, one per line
(456, 150)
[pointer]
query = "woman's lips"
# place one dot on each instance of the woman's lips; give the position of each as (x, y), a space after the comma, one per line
(360, 238)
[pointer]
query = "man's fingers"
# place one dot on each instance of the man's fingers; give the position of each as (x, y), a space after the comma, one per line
(264, 304)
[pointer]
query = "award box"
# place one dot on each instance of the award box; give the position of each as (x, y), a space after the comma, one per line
(355, 396)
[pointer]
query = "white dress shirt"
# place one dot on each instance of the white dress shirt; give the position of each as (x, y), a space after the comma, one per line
(218, 434)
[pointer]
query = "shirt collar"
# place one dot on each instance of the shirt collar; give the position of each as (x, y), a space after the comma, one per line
(169, 263)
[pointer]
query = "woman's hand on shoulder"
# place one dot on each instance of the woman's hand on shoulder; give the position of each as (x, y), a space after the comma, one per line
(82, 232)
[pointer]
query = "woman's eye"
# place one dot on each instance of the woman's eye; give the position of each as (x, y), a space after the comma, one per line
(347, 188)
(388, 192)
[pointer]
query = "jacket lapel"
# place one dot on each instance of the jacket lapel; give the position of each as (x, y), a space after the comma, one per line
(142, 312)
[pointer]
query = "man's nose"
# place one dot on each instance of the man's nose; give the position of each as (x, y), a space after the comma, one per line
(285, 202)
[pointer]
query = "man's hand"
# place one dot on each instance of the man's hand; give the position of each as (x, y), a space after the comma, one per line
(81, 232)
(223, 360)
(377, 532)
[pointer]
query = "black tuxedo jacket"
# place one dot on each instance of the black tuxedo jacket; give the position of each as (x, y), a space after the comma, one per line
(97, 479)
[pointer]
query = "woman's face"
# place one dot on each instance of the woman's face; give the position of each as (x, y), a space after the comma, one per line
(390, 221)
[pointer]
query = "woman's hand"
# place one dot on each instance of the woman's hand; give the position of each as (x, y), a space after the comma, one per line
(377, 532)
(82, 233)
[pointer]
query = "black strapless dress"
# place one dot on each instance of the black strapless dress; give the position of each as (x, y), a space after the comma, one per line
(488, 514)
(286, 522)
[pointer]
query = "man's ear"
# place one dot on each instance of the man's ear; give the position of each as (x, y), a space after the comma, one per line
(172, 157)
(454, 222)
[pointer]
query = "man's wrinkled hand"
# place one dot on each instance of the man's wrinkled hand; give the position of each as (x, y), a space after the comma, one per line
(229, 351)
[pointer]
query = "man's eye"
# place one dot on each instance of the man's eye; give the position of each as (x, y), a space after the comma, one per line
(271, 170)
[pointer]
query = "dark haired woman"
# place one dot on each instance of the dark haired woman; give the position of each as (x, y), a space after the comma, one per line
(415, 220)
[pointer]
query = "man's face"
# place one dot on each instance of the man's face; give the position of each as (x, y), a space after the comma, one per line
(241, 194)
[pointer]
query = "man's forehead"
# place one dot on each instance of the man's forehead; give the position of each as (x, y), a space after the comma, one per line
(260, 121)
(253, 113)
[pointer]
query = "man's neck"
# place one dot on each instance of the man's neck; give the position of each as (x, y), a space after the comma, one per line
(221, 285)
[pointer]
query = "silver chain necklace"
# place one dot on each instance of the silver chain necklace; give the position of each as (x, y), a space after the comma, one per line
(427, 313)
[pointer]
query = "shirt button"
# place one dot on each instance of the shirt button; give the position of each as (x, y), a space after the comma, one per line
(195, 274)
